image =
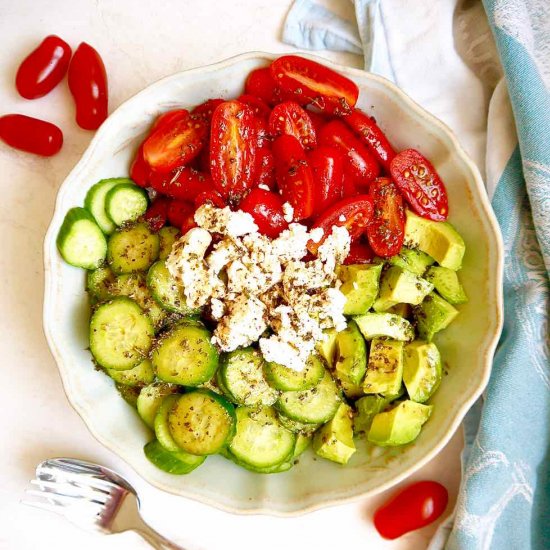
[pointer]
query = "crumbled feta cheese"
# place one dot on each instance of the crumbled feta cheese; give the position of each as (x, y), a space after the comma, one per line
(264, 187)
(288, 212)
(341, 218)
(225, 221)
(278, 351)
(316, 234)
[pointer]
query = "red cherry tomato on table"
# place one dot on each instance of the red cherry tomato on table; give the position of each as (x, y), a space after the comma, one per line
(209, 197)
(362, 166)
(175, 143)
(289, 118)
(327, 166)
(420, 183)
(259, 106)
(353, 213)
(294, 176)
(326, 89)
(206, 110)
(359, 253)
(372, 136)
(88, 86)
(414, 507)
(157, 213)
(181, 214)
(233, 149)
(265, 168)
(386, 230)
(31, 134)
(183, 184)
(267, 210)
(43, 69)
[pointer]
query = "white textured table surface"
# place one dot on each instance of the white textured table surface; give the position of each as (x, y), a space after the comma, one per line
(140, 42)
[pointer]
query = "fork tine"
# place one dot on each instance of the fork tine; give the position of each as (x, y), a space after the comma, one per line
(65, 504)
(78, 480)
(72, 491)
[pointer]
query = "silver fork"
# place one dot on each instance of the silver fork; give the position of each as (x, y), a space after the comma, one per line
(92, 497)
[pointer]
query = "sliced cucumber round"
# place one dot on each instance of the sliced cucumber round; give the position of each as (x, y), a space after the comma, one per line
(149, 400)
(95, 202)
(166, 291)
(125, 203)
(99, 283)
(285, 379)
(132, 249)
(168, 236)
(260, 440)
(298, 427)
(130, 394)
(177, 463)
(202, 422)
(142, 375)
(241, 373)
(80, 240)
(121, 334)
(162, 430)
(186, 356)
(314, 406)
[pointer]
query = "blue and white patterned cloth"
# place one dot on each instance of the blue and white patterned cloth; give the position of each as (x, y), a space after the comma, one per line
(504, 500)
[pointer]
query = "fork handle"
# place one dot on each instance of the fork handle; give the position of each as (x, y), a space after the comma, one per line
(156, 540)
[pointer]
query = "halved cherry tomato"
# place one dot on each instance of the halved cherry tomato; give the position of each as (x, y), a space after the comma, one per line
(139, 169)
(353, 213)
(362, 165)
(265, 168)
(326, 89)
(157, 213)
(209, 197)
(372, 136)
(233, 149)
(327, 166)
(359, 253)
(294, 176)
(263, 135)
(183, 184)
(88, 85)
(43, 69)
(181, 214)
(420, 183)
(386, 230)
(317, 119)
(203, 161)
(414, 507)
(31, 134)
(168, 117)
(258, 105)
(175, 143)
(289, 118)
(260, 83)
(206, 110)
(267, 210)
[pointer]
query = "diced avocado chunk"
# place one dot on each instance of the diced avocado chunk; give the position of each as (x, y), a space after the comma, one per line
(438, 239)
(359, 286)
(393, 396)
(421, 370)
(334, 441)
(413, 260)
(385, 367)
(302, 443)
(403, 310)
(447, 284)
(432, 315)
(327, 347)
(400, 425)
(393, 326)
(351, 355)
(367, 407)
(401, 286)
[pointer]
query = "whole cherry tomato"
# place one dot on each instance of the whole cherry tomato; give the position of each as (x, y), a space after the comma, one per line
(265, 168)
(183, 183)
(88, 86)
(386, 230)
(157, 213)
(181, 214)
(327, 166)
(206, 110)
(326, 89)
(294, 176)
(258, 105)
(175, 143)
(317, 119)
(139, 169)
(372, 136)
(233, 149)
(414, 507)
(289, 118)
(260, 83)
(31, 134)
(267, 210)
(353, 213)
(209, 197)
(362, 165)
(42, 70)
(359, 253)
(420, 183)
(349, 189)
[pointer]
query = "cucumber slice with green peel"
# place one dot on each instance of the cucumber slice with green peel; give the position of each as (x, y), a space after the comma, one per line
(298, 427)
(202, 422)
(149, 400)
(80, 241)
(121, 334)
(142, 375)
(132, 249)
(314, 406)
(125, 203)
(130, 394)
(168, 236)
(177, 463)
(277, 469)
(282, 378)
(241, 374)
(261, 441)
(185, 356)
(99, 282)
(95, 202)
(166, 291)
(162, 429)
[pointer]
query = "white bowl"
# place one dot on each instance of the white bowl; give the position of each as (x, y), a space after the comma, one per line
(467, 345)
